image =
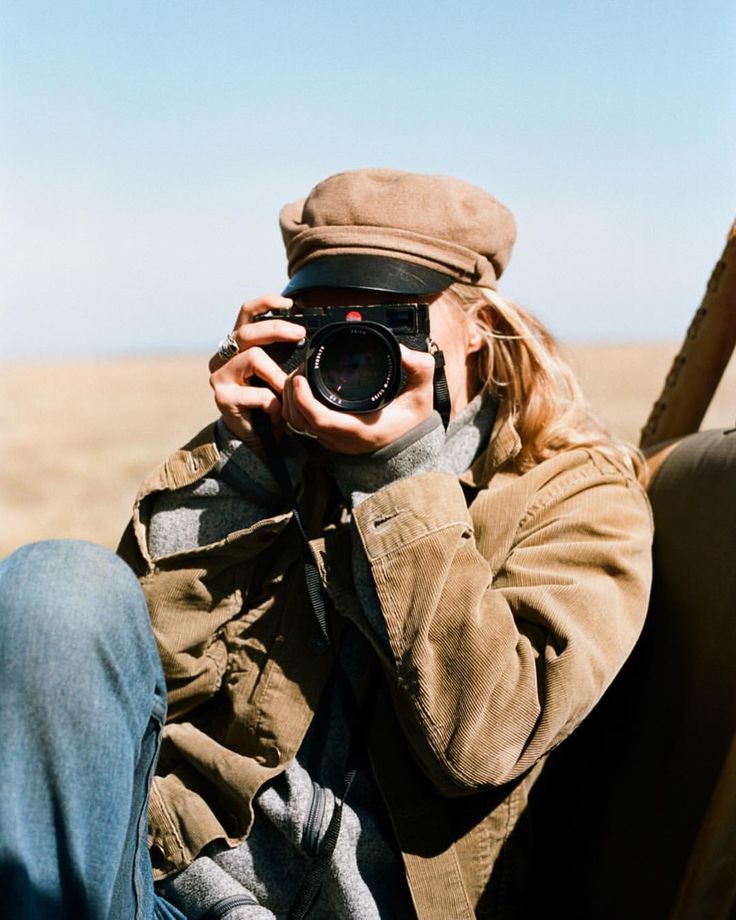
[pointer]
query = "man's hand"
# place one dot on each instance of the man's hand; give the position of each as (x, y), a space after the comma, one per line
(346, 433)
(236, 393)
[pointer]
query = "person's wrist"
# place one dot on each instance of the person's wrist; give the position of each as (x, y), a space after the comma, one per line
(416, 451)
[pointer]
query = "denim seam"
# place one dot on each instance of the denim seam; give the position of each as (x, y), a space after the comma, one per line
(138, 882)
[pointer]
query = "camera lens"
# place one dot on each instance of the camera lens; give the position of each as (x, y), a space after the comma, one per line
(354, 366)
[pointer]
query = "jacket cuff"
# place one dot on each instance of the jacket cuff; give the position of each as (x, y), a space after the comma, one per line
(417, 451)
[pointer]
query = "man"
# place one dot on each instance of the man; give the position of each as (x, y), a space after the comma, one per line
(375, 625)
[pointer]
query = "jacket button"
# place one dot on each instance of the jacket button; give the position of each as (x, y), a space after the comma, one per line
(271, 756)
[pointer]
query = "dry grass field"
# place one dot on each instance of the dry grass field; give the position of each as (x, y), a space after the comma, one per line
(78, 437)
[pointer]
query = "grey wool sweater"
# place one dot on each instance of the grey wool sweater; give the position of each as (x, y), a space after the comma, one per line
(261, 877)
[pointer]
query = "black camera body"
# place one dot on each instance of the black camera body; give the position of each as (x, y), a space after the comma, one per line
(351, 354)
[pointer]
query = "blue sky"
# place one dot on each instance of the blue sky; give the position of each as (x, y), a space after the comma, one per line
(146, 148)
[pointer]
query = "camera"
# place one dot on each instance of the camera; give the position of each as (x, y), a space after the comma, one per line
(351, 354)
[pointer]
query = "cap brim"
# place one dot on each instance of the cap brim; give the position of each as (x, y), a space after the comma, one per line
(369, 273)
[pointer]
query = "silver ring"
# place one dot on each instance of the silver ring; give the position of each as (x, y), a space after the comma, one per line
(228, 347)
(303, 434)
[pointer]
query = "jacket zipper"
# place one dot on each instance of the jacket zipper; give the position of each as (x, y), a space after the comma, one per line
(222, 908)
(315, 816)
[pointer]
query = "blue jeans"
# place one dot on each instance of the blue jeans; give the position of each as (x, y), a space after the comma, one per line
(82, 703)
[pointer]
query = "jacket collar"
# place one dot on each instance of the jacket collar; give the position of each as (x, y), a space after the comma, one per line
(184, 466)
(504, 446)
(200, 455)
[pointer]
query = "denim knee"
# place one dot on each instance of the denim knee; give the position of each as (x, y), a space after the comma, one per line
(63, 599)
(82, 703)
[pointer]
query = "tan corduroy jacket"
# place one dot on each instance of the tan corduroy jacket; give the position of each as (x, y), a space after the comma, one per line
(510, 601)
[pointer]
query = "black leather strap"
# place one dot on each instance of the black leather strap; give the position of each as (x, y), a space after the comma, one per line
(441, 391)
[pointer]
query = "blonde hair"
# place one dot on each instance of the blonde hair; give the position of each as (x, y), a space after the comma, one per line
(521, 363)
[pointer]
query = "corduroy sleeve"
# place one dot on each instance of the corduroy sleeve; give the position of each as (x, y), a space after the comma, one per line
(507, 620)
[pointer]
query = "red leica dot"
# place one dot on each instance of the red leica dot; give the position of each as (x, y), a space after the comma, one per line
(354, 316)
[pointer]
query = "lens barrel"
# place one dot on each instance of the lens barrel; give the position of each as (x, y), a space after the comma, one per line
(354, 366)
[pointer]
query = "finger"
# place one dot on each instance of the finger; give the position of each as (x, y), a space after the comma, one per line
(263, 333)
(314, 416)
(246, 315)
(342, 432)
(263, 304)
(267, 331)
(236, 394)
(347, 433)
(418, 365)
(236, 391)
(260, 333)
(291, 410)
(236, 407)
(240, 401)
(253, 364)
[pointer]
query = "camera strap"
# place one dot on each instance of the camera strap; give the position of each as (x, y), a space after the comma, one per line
(309, 890)
(262, 427)
(439, 384)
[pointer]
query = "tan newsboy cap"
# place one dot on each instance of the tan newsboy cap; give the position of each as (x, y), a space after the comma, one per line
(386, 230)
